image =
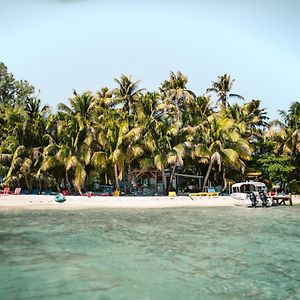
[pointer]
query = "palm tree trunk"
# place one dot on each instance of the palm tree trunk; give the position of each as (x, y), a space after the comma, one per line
(105, 174)
(68, 183)
(128, 178)
(45, 182)
(29, 187)
(171, 177)
(207, 174)
(163, 181)
(116, 177)
(40, 184)
(224, 180)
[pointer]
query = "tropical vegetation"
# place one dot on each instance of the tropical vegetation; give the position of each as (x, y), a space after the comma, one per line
(104, 136)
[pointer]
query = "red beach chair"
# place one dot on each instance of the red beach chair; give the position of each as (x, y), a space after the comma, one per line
(6, 190)
(17, 191)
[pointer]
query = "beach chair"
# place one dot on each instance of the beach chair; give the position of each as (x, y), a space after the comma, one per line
(47, 192)
(17, 191)
(6, 190)
(36, 192)
(212, 192)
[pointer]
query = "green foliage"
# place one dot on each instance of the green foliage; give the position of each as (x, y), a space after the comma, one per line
(12, 91)
(276, 168)
(111, 132)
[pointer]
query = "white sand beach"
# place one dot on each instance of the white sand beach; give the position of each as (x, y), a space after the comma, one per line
(81, 202)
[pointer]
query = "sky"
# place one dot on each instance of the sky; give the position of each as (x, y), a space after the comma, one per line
(61, 45)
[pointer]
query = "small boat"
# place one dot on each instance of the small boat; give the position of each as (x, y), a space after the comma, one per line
(250, 194)
(60, 198)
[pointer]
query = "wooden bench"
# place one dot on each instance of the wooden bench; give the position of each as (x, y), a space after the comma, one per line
(281, 199)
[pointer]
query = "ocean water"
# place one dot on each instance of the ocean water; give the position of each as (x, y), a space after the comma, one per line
(180, 253)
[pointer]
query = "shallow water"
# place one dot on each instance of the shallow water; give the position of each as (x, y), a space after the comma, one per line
(180, 253)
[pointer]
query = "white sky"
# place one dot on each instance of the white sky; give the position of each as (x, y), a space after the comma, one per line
(58, 45)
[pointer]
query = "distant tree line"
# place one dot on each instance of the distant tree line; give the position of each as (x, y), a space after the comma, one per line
(107, 134)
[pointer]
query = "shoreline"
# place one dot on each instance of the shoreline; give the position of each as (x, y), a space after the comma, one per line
(82, 202)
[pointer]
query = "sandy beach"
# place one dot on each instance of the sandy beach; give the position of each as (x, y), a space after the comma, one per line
(81, 202)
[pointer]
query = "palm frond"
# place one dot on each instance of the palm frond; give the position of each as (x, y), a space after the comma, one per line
(64, 108)
(146, 163)
(49, 163)
(180, 150)
(99, 159)
(202, 150)
(26, 166)
(172, 158)
(231, 156)
(237, 96)
(159, 161)
(71, 162)
(137, 151)
(80, 176)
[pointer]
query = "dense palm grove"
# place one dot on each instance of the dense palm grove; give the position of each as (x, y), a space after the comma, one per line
(108, 134)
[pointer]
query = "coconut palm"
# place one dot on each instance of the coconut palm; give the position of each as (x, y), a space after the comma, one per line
(177, 103)
(104, 99)
(286, 134)
(71, 146)
(160, 139)
(250, 115)
(25, 163)
(111, 132)
(175, 95)
(25, 128)
(251, 121)
(118, 143)
(222, 88)
(126, 94)
(222, 146)
(292, 117)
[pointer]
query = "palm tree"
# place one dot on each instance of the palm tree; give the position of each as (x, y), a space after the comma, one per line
(223, 87)
(71, 146)
(223, 146)
(25, 163)
(175, 95)
(126, 94)
(250, 114)
(110, 132)
(286, 134)
(160, 144)
(287, 137)
(251, 121)
(24, 130)
(177, 103)
(118, 143)
(292, 117)
(104, 99)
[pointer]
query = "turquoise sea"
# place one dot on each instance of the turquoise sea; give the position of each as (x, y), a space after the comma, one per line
(180, 253)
